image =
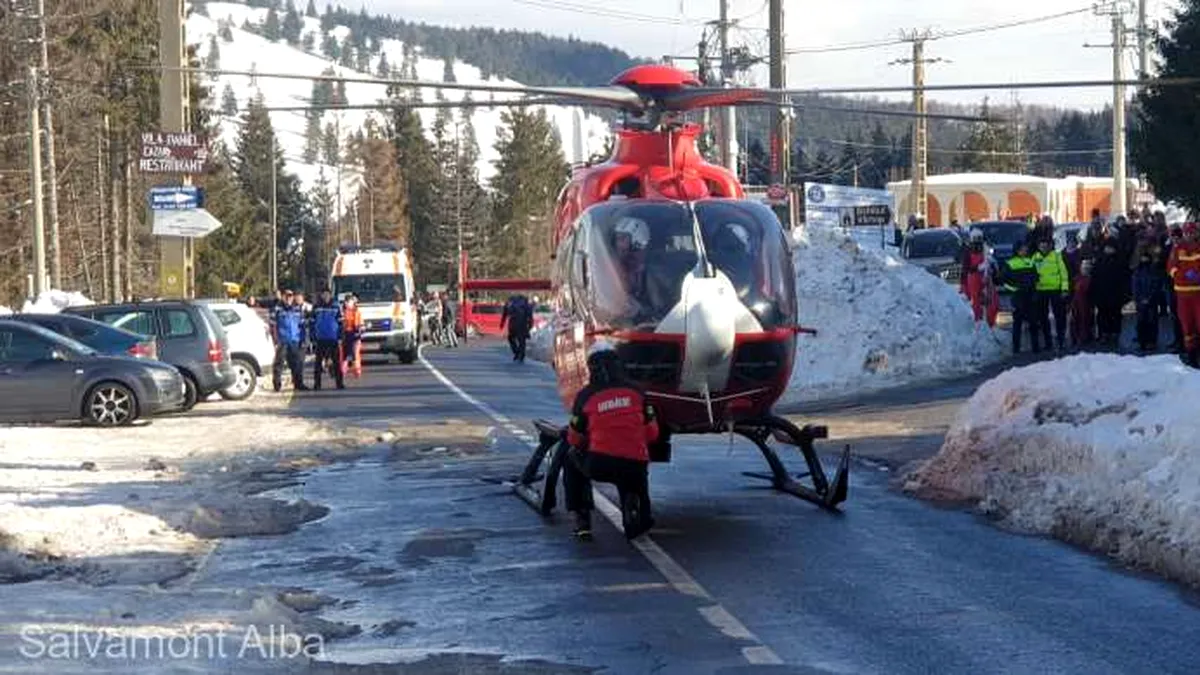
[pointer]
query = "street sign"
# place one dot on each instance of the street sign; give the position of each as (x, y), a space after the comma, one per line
(173, 153)
(872, 214)
(179, 198)
(194, 223)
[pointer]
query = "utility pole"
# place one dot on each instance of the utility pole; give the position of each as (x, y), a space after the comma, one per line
(102, 209)
(781, 135)
(35, 177)
(114, 216)
(274, 214)
(918, 192)
(175, 263)
(462, 296)
(51, 168)
(729, 153)
(128, 277)
(1117, 200)
(1143, 38)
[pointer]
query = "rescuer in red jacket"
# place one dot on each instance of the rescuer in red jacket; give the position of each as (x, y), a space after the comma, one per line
(611, 427)
(1184, 268)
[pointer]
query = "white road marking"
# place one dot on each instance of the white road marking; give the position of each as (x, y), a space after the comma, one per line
(679, 579)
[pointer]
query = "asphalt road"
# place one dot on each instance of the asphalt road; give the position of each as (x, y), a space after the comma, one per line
(451, 573)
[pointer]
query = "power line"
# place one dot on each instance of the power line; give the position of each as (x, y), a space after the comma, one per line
(953, 151)
(610, 13)
(874, 44)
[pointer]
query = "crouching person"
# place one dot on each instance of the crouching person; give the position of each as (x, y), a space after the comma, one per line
(611, 427)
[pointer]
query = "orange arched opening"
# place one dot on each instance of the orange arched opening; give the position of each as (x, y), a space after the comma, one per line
(933, 212)
(1022, 203)
(975, 207)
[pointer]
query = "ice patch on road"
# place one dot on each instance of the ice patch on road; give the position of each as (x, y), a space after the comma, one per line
(1098, 450)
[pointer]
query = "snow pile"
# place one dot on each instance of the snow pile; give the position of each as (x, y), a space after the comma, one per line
(879, 321)
(1098, 450)
(4, 311)
(55, 301)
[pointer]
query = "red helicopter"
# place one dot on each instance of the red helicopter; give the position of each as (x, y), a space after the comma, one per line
(660, 253)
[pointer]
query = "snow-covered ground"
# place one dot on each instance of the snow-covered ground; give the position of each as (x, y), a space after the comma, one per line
(1100, 450)
(53, 302)
(250, 52)
(880, 322)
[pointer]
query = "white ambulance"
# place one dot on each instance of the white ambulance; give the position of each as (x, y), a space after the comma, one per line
(381, 276)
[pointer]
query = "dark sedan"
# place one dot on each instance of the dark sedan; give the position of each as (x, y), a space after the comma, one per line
(1002, 236)
(98, 335)
(938, 251)
(46, 377)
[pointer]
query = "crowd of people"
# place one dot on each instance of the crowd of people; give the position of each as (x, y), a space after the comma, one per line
(1081, 290)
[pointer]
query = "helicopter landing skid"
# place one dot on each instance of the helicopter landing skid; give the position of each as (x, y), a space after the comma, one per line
(822, 493)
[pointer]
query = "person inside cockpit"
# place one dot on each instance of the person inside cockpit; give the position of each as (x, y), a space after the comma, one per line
(630, 237)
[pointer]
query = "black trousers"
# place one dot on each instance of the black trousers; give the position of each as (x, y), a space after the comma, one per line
(517, 343)
(1022, 318)
(1047, 302)
(327, 353)
(1108, 318)
(1147, 325)
(291, 355)
(582, 467)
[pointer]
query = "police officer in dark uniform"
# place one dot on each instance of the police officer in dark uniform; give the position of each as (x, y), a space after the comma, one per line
(327, 332)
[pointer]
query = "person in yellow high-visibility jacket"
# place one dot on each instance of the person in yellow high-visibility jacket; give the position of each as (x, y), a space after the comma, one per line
(1052, 292)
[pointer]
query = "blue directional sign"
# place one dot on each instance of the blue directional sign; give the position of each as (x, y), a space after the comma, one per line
(176, 198)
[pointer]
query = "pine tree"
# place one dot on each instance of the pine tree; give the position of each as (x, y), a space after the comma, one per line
(327, 22)
(529, 174)
(1166, 139)
(214, 54)
(877, 174)
(331, 145)
(362, 60)
(414, 156)
(339, 94)
(309, 42)
(448, 71)
(229, 104)
(989, 148)
(384, 70)
(383, 199)
(347, 57)
(293, 25)
(271, 29)
(238, 251)
(316, 252)
(312, 137)
(330, 47)
(323, 89)
(311, 10)
(225, 30)
(849, 163)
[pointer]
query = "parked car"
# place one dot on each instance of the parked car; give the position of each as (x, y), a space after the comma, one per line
(48, 377)
(481, 318)
(938, 251)
(100, 336)
(1063, 229)
(251, 347)
(190, 337)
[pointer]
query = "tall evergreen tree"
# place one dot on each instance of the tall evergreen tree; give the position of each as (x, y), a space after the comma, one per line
(225, 30)
(448, 71)
(990, 146)
(293, 25)
(414, 155)
(878, 173)
(529, 174)
(238, 251)
(309, 42)
(849, 164)
(327, 21)
(229, 104)
(384, 70)
(313, 137)
(362, 60)
(346, 60)
(317, 253)
(331, 145)
(330, 47)
(214, 54)
(311, 10)
(271, 29)
(383, 199)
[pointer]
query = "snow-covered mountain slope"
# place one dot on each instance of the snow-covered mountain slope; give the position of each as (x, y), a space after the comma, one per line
(250, 52)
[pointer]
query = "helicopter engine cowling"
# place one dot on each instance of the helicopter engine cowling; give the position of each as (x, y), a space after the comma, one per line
(709, 315)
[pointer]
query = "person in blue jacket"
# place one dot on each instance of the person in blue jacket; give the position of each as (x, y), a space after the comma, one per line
(327, 334)
(287, 319)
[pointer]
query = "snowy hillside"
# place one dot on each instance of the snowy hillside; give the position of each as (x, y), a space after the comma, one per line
(250, 52)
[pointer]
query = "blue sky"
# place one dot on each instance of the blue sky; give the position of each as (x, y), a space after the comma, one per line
(1051, 50)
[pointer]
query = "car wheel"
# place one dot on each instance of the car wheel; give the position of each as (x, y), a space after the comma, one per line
(244, 384)
(191, 393)
(110, 404)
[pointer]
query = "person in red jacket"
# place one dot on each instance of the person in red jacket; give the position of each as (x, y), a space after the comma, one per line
(1184, 268)
(610, 431)
(977, 279)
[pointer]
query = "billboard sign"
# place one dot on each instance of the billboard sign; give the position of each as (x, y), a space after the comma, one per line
(173, 153)
(843, 206)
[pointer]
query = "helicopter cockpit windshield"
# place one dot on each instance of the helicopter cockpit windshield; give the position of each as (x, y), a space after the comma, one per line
(631, 259)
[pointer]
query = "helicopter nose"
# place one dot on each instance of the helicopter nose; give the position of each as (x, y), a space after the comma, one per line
(712, 317)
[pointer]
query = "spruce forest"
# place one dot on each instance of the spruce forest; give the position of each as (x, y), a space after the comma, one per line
(422, 180)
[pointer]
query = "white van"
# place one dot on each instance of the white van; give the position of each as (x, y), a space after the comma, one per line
(381, 276)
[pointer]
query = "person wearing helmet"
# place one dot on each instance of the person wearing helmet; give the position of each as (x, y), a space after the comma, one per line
(611, 428)
(630, 239)
(1184, 268)
(977, 279)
